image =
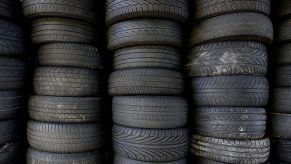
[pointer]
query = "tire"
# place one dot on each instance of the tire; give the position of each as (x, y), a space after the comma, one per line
(235, 91)
(228, 58)
(281, 100)
(256, 27)
(144, 32)
(204, 9)
(66, 81)
(64, 138)
(52, 29)
(146, 56)
(284, 31)
(8, 131)
(231, 151)
(65, 109)
(34, 156)
(120, 10)
(281, 150)
(150, 145)
(8, 8)
(150, 112)
(200, 160)
(280, 125)
(283, 54)
(146, 82)
(284, 8)
(83, 10)
(11, 104)
(283, 76)
(11, 38)
(122, 160)
(70, 55)
(9, 152)
(230, 122)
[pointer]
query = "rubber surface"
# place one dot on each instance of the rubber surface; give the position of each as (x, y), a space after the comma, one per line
(283, 54)
(8, 131)
(122, 160)
(66, 81)
(65, 109)
(70, 55)
(284, 31)
(8, 8)
(281, 150)
(229, 122)
(281, 100)
(283, 76)
(280, 125)
(9, 152)
(146, 82)
(284, 8)
(150, 111)
(64, 138)
(144, 32)
(227, 58)
(231, 151)
(235, 90)
(256, 27)
(146, 56)
(11, 103)
(150, 145)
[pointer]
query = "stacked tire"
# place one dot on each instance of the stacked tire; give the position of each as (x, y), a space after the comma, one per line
(149, 110)
(66, 110)
(227, 64)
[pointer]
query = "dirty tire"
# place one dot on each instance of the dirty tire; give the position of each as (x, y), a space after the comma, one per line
(122, 160)
(206, 9)
(120, 10)
(283, 76)
(64, 138)
(66, 81)
(230, 122)
(70, 55)
(235, 90)
(35, 156)
(146, 82)
(83, 10)
(48, 30)
(150, 145)
(281, 100)
(150, 111)
(9, 152)
(281, 150)
(146, 56)
(284, 8)
(11, 103)
(280, 125)
(143, 32)
(256, 27)
(283, 54)
(227, 58)
(8, 131)
(231, 151)
(65, 109)
(8, 9)
(284, 31)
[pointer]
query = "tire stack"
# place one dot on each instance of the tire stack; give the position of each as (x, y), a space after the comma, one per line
(12, 81)
(149, 110)
(66, 110)
(227, 65)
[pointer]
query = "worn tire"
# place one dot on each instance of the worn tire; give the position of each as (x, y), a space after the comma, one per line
(11, 103)
(66, 81)
(146, 56)
(281, 100)
(8, 8)
(146, 82)
(65, 109)
(280, 125)
(8, 131)
(284, 8)
(9, 152)
(256, 27)
(236, 90)
(230, 122)
(70, 55)
(120, 10)
(52, 29)
(64, 138)
(231, 151)
(281, 150)
(283, 76)
(150, 112)
(227, 58)
(284, 31)
(122, 160)
(144, 32)
(34, 156)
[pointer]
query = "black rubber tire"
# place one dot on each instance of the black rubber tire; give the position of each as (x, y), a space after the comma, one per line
(281, 150)
(64, 138)
(281, 100)
(231, 151)
(146, 82)
(283, 54)
(284, 8)
(283, 76)
(230, 122)
(280, 125)
(53, 29)
(256, 27)
(65, 109)
(146, 56)
(8, 131)
(204, 9)
(227, 58)
(120, 10)
(145, 32)
(284, 31)
(201, 160)
(8, 8)
(9, 152)
(38, 157)
(70, 55)
(235, 90)
(122, 160)
(83, 10)
(150, 112)
(11, 103)
(66, 81)
(11, 38)
(150, 145)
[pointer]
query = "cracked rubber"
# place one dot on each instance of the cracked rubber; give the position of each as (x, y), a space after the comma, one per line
(284, 31)
(150, 145)
(280, 125)
(122, 160)
(281, 100)
(9, 152)
(8, 131)
(284, 9)
(11, 103)
(227, 58)
(283, 76)
(281, 150)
